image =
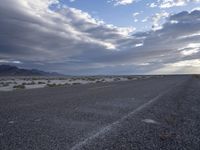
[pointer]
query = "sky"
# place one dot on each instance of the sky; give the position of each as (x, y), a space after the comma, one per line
(102, 37)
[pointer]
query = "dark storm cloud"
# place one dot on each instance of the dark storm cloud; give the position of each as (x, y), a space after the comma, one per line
(70, 41)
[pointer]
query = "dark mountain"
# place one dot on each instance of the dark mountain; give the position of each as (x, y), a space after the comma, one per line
(7, 70)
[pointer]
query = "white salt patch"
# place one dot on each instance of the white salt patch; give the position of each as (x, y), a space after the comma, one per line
(6, 88)
(35, 86)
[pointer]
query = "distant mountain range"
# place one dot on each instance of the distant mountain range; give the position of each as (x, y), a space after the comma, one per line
(7, 70)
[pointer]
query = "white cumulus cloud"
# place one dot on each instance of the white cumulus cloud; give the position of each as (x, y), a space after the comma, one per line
(121, 2)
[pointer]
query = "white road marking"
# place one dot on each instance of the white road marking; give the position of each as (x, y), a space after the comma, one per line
(102, 131)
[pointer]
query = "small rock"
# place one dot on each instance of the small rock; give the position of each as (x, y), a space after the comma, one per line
(165, 136)
(150, 121)
(11, 122)
(37, 120)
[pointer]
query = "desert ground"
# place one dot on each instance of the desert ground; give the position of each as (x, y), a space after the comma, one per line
(113, 113)
(16, 83)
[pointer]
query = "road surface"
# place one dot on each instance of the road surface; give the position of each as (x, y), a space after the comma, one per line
(149, 114)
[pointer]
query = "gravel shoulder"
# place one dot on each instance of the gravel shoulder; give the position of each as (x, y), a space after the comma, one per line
(172, 123)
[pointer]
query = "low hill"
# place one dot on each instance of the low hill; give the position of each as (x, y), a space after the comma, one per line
(7, 70)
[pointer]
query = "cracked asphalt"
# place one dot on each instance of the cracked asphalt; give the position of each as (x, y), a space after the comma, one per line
(154, 113)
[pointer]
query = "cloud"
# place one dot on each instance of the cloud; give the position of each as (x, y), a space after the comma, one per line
(165, 4)
(196, 8)
(152, 5)
(10, 61)
(180, 67)
(145, 19)
(158, 18)
(31, 31)
(136, 14)
(31, 23)
(121, 2)
(181, 42)
(172, 3)
(190, 49)
(71, 41)
(175, 3)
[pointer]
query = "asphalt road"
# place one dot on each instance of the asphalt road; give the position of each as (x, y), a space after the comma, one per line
(150, 114)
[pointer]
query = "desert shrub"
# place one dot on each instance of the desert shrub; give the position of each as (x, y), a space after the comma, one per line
(171, 119)
(41, 82)
(91, 79)
(24, 83)
(98, 81)
(4, 84)
(76, 83)
(167, 135)
(130, 78)
(30, 83)
(103, 80)
(116, 79)
(51, 85)
(19, 86)
(196, 76)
